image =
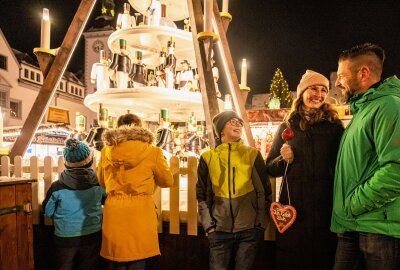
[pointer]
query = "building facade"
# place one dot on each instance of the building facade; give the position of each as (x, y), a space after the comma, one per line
(20, 82)
(95, 40)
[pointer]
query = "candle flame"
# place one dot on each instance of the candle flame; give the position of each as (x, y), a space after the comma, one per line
(244, 62)
(46, 14)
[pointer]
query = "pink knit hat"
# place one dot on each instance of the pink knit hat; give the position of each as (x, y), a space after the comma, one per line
(311, 78)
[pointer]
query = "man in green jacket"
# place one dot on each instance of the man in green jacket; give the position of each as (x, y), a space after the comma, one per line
(366, 211)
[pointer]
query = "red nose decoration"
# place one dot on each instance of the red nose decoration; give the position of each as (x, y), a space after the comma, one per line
(287, 134)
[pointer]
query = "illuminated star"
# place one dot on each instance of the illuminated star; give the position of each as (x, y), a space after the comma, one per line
(103, 10)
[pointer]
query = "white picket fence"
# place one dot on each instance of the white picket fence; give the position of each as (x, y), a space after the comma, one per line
(46, 171)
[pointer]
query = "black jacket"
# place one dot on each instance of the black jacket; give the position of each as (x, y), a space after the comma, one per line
(308, 244)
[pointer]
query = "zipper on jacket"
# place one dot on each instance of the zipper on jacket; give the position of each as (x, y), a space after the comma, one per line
(229, 186)
(233, 180)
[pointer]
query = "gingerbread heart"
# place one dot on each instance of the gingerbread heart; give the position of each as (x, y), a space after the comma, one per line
(282, 215)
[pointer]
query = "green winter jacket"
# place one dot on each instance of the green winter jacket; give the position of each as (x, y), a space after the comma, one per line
(232, 188)
(367, 177)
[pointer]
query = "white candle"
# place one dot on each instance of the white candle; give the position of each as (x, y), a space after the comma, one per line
(45, 30)
(228, 103)
(208, 9)
(243, 73)
(225, 6)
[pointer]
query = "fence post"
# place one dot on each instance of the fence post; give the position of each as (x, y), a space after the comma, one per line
(5, 166)
(157, 202)
(174, 226)
(192, 223)
(48, 179)
(18, 166)
(60, 166)
(34, 174)
(269, 233)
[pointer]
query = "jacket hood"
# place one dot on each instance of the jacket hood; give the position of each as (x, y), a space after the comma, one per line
(126, 133)
(79, 178)
(127, 146)
(389, 87)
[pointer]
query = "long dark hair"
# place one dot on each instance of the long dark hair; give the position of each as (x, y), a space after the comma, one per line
(310, 117)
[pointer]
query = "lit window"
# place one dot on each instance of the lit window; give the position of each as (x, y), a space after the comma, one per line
(15, 109)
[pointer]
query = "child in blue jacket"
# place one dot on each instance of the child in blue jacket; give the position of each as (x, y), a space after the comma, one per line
(74, 202)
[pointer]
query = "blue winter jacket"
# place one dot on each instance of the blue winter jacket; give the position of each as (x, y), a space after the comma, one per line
(74, 202)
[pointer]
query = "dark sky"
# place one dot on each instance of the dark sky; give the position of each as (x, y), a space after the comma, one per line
(293, 36)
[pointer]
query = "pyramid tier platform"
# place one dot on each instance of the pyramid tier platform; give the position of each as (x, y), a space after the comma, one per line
(150, 40)
(148, 101)
(177, 10)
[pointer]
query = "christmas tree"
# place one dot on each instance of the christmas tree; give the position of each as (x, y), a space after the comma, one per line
(279, 90)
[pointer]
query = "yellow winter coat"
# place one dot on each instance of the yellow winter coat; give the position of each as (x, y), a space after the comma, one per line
(129, 168)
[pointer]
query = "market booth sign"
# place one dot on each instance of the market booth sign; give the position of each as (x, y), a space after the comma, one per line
(52, 134)
(41, 139)
(58, 115)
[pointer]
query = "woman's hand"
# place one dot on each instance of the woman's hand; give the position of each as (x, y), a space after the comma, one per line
(287, 153)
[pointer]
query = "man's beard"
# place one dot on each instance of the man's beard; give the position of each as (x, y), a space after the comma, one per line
(348, 94)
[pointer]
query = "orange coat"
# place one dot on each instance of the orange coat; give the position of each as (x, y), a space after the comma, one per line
(129, 168)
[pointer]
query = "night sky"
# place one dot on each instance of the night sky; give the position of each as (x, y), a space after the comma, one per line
(270, 34)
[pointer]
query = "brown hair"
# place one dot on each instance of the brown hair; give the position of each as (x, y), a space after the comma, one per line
(308, 118)
(129, 119)
(368, 54)
(364, 49)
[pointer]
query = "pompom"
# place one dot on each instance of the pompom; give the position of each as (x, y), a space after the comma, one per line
(76, 153)
(72, 144)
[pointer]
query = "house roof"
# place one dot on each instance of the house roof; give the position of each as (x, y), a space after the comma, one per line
(8, 46)
(24, 57)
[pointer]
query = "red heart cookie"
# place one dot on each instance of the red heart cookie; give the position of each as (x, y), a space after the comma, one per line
(282, 215)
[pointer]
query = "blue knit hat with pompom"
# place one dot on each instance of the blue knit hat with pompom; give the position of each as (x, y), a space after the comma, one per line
(76, 153)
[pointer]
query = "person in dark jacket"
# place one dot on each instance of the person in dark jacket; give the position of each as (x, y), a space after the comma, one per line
(311, 154)
(233, 191)
(74, 203)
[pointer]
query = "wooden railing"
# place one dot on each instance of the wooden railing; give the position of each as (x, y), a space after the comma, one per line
(46, 171)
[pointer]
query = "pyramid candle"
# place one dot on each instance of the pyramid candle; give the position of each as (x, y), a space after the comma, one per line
(208, 8)
(243, 73)
(45, 30)
(225, 6)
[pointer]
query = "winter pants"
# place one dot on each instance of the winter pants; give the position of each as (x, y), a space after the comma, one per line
(133, 265)
(85, 256)
(358, 250)
(239, 246)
